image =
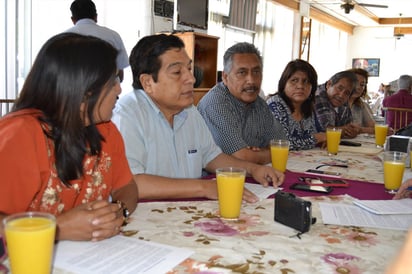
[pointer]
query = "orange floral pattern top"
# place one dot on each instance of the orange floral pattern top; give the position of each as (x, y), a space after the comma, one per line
(29, 178)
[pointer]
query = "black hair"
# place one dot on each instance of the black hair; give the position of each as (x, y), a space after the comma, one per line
(144, 57)
(69, 70)
(83, 9)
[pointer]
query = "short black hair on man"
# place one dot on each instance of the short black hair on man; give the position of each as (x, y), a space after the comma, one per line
(83, 9)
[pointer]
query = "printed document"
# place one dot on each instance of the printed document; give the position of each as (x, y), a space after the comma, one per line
(402, 206)
(117, 255)
(351, 215)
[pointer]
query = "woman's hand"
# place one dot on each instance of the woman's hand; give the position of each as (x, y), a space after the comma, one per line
(93, 221)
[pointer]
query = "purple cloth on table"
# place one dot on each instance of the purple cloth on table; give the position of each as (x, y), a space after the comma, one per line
(357, 189)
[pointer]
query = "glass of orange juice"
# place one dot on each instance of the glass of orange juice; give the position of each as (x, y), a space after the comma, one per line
(393, 168)
(279, 151)
(30, 241)
(230, 183)
(381, 130)
(333, 135)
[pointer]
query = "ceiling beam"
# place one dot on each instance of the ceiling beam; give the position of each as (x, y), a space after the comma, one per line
(395, 21)
(318, 15)
(366, 13)
(402, 30)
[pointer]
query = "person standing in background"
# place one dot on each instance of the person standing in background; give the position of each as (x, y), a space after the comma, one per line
(84, 18)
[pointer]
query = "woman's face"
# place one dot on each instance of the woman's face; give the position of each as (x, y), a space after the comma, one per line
(104, 106)
(360, 87)
(298, 88)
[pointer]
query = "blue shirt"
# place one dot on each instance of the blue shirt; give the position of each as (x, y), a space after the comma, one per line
(299, 133)
(236, 125)
(154, 147)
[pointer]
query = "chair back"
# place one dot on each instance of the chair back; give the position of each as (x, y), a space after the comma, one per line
(6, 106)
(397, 118)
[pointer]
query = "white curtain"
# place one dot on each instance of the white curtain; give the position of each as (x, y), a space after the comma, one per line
(274, 38)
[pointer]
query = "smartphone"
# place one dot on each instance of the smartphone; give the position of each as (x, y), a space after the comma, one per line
(324, 172)
(306, 187)
(349, 143)
(324, 182)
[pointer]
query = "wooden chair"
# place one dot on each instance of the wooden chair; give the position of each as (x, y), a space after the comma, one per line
(5, 106)
(397, 118)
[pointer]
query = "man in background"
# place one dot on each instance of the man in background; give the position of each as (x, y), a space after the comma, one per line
(401, 99)
(84, 18)
(239, 119)
(331, 103)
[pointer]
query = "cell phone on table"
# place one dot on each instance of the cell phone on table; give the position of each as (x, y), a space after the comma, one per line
(324, 172)
(349, 143)
(306, 187)
(324, 182)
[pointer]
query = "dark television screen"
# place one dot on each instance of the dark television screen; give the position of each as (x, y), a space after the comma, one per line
(193, 13)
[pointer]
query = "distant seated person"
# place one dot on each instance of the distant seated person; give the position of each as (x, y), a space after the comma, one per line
(292, 105)
(361, 113)
(239, 119)
(331, 103)
(401, 99)
(167, 141)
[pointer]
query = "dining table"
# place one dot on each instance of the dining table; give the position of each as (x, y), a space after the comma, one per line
(255, 243)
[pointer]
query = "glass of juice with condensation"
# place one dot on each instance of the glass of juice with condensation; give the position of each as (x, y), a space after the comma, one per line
(393, 168)
(332, 140)
(230, 183)
(279, 151)
(30, 242)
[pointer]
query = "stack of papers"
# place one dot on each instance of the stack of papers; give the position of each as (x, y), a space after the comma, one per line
(403, 206)
(355, 215)
(261, 191)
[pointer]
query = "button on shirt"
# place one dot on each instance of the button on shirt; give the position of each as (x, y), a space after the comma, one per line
(154, 147)
(236, 125)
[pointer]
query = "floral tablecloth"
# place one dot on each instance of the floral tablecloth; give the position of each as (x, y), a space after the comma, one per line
(257, 244)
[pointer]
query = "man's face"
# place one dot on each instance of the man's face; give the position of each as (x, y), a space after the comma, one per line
(245, 78)
(173, 90)
(339, 93)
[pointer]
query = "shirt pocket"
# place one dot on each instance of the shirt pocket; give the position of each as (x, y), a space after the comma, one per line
(194, 163)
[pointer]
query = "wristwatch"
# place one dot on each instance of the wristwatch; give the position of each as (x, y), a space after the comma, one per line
(125, 210)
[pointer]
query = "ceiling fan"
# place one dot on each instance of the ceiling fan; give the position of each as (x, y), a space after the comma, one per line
(348, 5)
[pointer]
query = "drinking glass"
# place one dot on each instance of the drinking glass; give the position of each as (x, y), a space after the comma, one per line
(30, 242)
(333, 139)
(279, 151)
(230, 183)
(381, 130)
(393, 168)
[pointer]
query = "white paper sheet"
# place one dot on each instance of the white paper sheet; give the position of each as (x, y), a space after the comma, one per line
(402, 206)
(118, 255)
(261, 191)
(343, 214)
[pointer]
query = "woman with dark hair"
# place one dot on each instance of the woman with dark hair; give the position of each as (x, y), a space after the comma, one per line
(59, 151)
(292, 105)
(361, 113)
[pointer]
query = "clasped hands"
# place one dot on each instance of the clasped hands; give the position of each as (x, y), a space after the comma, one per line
(93, 221)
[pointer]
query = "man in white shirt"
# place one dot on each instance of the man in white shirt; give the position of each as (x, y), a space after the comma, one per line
(84, 18)
(168, 143)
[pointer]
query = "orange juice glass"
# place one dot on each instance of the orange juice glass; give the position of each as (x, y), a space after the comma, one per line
(279, 151)
(230, 183)
(393, 168)
(30, 242)
(333, 139)
(381, 130)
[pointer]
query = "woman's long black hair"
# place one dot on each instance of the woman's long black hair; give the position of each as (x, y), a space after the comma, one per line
(69, 70)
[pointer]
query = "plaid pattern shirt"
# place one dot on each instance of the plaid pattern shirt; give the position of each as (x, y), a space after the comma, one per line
(327, 114)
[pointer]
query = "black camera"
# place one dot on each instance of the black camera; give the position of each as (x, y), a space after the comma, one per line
(293, 211)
